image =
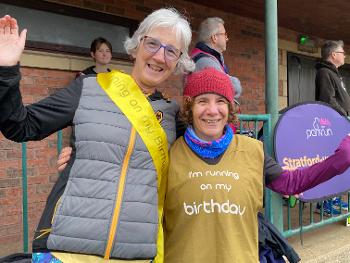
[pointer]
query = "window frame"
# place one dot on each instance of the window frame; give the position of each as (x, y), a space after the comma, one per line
(73, 12)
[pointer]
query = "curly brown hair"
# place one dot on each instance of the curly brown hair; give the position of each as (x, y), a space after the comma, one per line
(186, 114)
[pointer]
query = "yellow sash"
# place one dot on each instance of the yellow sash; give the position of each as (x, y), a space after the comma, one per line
(126, 94)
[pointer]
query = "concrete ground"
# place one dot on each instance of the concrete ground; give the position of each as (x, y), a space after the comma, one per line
(327, 244)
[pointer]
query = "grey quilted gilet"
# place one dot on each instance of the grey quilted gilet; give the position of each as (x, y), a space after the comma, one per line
(83, 217)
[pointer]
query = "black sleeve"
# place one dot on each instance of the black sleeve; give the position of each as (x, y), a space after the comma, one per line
(325, 90)
(271, 169)
(38, 120)
(180, 126)
(9, 76)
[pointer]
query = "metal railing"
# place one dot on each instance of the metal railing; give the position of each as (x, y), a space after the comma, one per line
(25, 188)
(259, 127)
(256, 126)
(334, 215)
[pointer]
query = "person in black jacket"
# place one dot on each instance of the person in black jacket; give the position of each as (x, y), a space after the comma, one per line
(330, 87)
(101, 52)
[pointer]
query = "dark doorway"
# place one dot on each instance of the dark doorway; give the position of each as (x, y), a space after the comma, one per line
(301, 78)
(345, 72)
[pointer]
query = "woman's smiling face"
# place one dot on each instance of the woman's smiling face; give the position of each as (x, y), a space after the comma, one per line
(151, 69)
(210, 115)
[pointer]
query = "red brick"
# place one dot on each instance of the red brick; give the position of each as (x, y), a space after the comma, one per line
(4, 183)
(48, 171)
(105, 1)
(10, 230)
(11, 219)
(139, 2)
(27, 81)
(115, 10)
(43, 188)
(53, 178)
(93, 5)
(38, 180)
(10, 239)
(2, 195)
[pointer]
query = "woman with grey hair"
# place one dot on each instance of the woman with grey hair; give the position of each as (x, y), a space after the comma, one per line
(164, 18)
(108, 201)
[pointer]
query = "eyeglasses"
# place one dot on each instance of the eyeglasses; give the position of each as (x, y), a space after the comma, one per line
(342, 52)
(152, 45)
(224, 33)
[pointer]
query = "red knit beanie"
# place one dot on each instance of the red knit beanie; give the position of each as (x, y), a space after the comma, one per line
(209, 80)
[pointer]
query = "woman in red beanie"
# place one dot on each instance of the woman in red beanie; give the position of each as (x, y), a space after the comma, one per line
(216, 180)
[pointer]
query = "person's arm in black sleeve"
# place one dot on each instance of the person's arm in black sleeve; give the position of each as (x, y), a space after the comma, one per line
(297, 181)
(38, 120)
(326, 89)
(180, 126)
(9, 77)
(272, 170)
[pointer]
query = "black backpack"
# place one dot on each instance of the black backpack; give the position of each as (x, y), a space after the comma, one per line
(18, 258)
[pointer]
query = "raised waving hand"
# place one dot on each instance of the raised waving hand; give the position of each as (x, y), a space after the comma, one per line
(11, 43)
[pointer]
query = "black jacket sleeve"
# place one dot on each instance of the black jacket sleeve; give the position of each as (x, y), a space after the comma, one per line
(272, 170)
(180, 126)
(325, 90)
(39, 120)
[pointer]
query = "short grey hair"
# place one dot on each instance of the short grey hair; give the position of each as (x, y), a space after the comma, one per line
(166, 18)
(208, 28)
(330, 46)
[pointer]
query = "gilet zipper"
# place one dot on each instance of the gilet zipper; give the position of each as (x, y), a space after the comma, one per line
(120, 191)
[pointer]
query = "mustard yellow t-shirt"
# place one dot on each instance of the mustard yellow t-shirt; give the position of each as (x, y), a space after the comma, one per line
(210, 211)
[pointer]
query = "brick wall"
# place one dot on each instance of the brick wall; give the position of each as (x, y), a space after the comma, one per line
(41, 164)
(245, 49)
(244, 57)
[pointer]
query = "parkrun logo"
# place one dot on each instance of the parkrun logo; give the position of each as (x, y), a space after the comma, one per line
(321, 128)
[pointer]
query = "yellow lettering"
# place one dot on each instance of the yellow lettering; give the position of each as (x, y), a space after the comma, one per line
(124, 92)
(304, 161)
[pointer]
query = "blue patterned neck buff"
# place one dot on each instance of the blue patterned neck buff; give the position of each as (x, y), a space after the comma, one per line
(209, 150)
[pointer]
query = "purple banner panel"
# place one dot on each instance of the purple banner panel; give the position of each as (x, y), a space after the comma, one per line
(308, 133)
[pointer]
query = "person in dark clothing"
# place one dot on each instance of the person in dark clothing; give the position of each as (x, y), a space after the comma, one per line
(330, 87)
(101, 52)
